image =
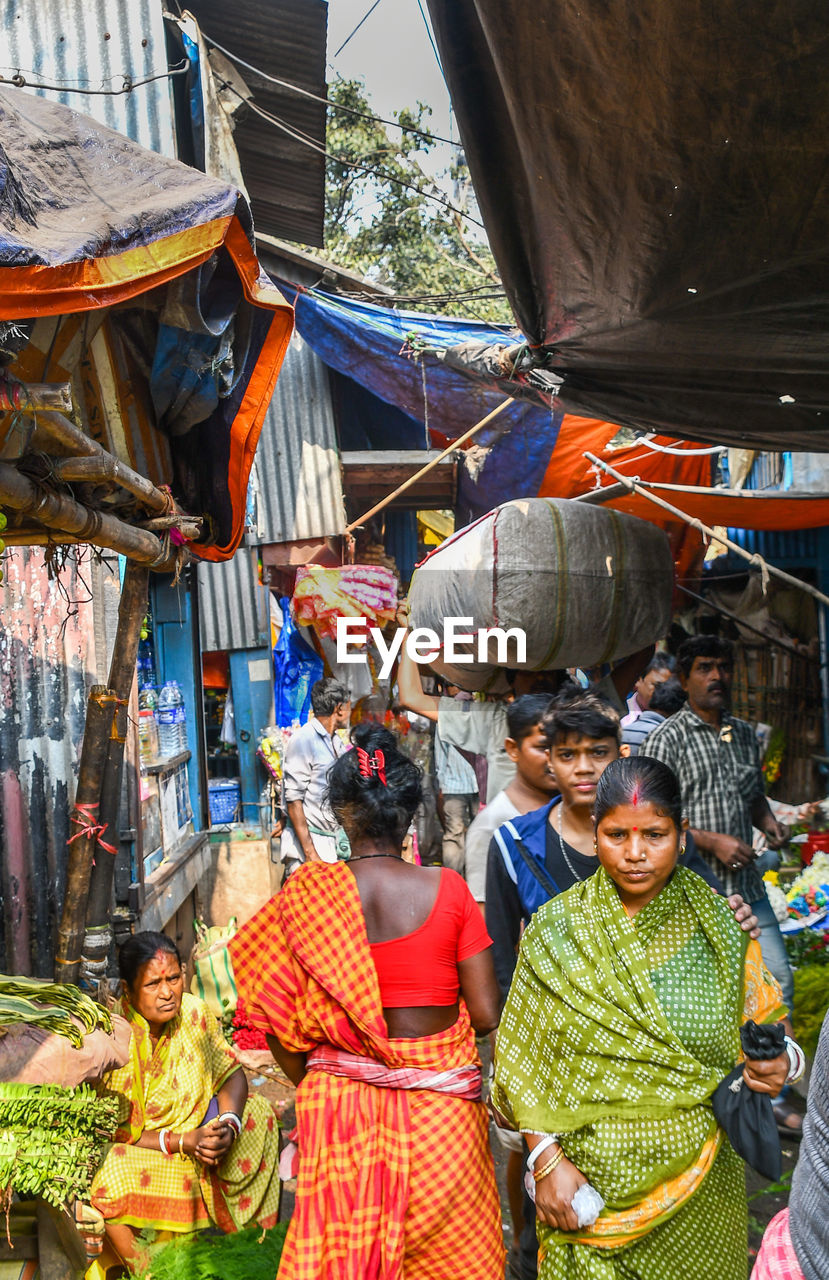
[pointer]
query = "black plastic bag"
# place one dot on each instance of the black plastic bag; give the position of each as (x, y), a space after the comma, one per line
(746, 1116)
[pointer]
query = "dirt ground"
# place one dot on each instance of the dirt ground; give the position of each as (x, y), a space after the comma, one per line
(764, 1199)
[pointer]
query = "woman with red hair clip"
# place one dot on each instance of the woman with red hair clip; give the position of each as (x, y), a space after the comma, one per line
(370, 979)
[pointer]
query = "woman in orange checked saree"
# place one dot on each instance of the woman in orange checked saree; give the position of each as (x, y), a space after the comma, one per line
(368, 978)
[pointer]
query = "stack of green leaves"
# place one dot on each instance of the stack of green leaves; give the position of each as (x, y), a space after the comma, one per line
(251, 1254)
(51, 1005)
(52, 1140)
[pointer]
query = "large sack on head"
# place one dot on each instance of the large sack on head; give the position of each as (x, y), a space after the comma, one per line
(586, 584)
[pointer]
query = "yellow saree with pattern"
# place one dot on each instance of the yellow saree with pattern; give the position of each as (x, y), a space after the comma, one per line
(171, 1086)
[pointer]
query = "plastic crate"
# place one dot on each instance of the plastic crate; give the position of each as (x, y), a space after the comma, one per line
(223, 799)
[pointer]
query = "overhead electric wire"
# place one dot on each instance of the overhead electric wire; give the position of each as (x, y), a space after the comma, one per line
(305, 140)
(67, 86)
(357, 28)
(333, 106)
(431, 40)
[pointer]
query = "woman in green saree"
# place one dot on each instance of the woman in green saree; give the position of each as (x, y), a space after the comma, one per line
(623, 1017)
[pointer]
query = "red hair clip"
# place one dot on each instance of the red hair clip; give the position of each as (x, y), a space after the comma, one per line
(370, 765)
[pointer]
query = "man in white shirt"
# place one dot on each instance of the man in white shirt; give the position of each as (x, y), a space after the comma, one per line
(315, 835)
(480, 728)
(458, 798)
(531, 787)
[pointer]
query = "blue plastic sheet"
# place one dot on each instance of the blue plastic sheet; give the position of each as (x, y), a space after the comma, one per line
(296, 668)
(375, 348)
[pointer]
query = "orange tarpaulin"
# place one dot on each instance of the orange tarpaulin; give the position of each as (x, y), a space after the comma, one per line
(569, 475)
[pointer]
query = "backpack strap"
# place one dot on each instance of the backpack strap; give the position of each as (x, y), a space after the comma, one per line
(539, 872)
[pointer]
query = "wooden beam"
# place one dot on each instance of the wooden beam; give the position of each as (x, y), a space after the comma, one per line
(131, 611)
(79, 443)
(100, 709)
(407, 484)
(106, 468)
(68, 517)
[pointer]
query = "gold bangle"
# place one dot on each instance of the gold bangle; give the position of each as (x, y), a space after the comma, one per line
(181, 1145)
(549, 1166)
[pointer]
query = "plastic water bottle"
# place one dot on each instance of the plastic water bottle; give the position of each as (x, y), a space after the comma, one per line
(171, 717)
(145, 665)
(148, 699)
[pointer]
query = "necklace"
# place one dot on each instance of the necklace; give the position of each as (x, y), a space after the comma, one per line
(358, 857)
(573, 872)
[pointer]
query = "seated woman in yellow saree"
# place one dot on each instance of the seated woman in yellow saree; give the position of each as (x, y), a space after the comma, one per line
(623, 1017)
(169, 1169)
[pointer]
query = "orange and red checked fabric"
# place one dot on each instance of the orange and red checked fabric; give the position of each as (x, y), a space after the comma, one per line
(392, 1182)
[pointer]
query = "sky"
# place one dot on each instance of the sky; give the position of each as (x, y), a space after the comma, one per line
(391, 52)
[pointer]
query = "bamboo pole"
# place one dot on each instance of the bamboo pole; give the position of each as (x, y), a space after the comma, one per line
(131, 611)
(597, 496)
(27, 536)
(30, 397)
(726, 613)
(407, 484)
(99, 714)
(634, 486)
(91, 461)
(60, 512)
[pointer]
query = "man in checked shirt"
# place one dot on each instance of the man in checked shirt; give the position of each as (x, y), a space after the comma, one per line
(716, 758)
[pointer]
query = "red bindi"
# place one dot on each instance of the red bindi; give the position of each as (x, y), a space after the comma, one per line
(635, 828)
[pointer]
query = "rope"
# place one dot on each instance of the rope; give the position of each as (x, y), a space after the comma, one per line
(169, 500)
(108, 698)
(85, 818)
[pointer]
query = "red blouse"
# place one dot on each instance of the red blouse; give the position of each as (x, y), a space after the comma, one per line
(421, 968)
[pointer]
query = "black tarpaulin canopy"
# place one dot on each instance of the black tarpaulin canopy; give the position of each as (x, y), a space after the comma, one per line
(654, 183)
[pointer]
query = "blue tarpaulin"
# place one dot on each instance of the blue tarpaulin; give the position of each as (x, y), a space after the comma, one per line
(395, 355)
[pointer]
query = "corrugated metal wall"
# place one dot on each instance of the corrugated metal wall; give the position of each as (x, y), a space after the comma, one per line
(781, 547)
(93, 44)
(298, 474)
(55, 640)
(233, 606)
(285, 177)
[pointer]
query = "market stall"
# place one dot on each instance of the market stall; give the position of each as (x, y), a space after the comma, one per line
(118, 269)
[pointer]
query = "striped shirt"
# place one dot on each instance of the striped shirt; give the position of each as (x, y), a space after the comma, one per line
(455, 776)
(720, 777)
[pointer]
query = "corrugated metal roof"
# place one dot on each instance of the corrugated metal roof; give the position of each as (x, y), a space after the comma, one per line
(297, 460)
(287, 39)
(54, 641)
(233, 607)
(93, 44)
